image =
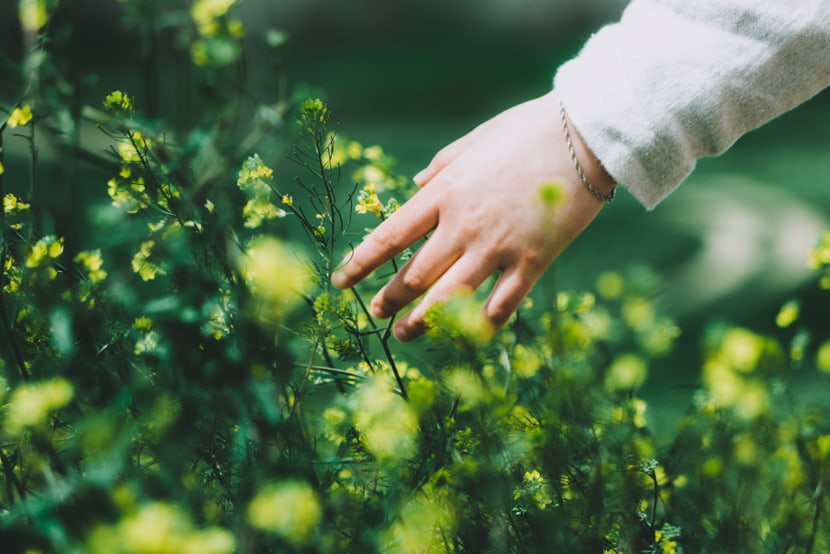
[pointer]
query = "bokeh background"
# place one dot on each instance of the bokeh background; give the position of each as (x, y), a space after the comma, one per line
(414, 75)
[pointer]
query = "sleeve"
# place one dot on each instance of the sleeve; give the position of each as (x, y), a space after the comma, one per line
(676, 80)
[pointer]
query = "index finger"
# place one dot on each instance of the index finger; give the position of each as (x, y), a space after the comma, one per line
(410, 222)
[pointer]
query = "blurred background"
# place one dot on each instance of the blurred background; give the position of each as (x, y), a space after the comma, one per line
(412, 76)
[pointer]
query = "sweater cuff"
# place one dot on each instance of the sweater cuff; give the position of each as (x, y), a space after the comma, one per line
(600, 102)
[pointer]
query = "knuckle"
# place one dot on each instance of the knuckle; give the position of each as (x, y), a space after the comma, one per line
(413, 279)
(387, 238)
(533, 260)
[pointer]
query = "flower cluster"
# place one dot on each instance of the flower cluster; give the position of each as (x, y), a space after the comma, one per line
(179, 375)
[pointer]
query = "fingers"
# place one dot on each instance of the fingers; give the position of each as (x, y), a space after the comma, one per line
(468, 273)
(410, 223)
(422, 270)
(506, 296)
(510, 289)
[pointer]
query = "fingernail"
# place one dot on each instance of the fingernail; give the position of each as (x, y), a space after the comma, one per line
(402, 334)
(339, 280)
(378, 312)
(420, 177)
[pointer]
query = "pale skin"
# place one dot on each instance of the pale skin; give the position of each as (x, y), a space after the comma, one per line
(480, 201)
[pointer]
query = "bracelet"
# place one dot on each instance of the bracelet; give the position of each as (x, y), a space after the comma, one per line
(604, 197)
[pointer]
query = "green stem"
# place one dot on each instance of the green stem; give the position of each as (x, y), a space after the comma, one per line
(32, 174)
(816, 519)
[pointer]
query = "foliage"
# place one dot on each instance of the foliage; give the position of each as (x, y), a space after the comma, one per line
(183, 378)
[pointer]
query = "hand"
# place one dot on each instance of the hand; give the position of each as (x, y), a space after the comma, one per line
(481, 199)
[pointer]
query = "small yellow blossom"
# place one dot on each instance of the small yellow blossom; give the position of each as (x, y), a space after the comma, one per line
(20, 116)
(141, 264)
(638, 313)
(206, 12)
(11, 204)
(628, 371)
(610, 285)
(31, 403)
(93, 264)
(117, 100)
(741, 349)
(823, 357)
(253, 169)
(788, 314)
(236, 28)
(386, 421)
(47, 247)
(143, 323)
(56, 248)
(420, 528)
(289, 509)
(373, 153)
(368, 201)
(131, 149)
(276, 275)
(159, 528)
(33, 14)
(354, 150)
(257, 210)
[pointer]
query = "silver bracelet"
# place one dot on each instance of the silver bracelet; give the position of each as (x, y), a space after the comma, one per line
(604, 197)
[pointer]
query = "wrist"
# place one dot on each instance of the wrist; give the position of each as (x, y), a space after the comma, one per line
(598, 182)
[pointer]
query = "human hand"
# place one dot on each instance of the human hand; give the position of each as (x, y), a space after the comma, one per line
(481, 198)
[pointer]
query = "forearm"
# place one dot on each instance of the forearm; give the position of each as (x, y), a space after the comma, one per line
(675, 80)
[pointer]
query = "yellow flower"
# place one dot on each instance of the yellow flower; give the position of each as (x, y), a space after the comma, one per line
(20, 116)
(159, 528)
(31, 403)
(368, 201)
(11, 204)
(206, 12)
(741, 349)
(253, 169)
(258, 209)
(276, 275)
(627, 372)
(823, 357)
(130, 150)
(788, 314)
(386, 421)
(289, 509)
(33, 14)
(638, 313)
(92, 262)
(143, 324)
(610, 285)
(2, 169)
(141, 264)
(117, 100)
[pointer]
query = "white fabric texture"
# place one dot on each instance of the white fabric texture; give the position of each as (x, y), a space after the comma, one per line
(676, 80)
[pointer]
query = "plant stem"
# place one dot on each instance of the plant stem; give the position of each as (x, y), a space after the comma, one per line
(816, 519)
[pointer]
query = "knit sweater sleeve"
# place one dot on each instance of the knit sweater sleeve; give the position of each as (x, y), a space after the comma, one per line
(676, 80)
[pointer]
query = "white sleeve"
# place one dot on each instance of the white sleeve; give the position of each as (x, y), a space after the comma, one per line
(676, 80)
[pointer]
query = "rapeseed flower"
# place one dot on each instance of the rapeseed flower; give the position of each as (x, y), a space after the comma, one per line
(289, 509)
(31, 403)
(12, 205)
(19, 116)
(93, 264)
